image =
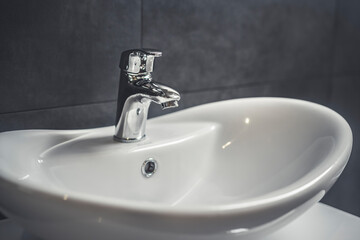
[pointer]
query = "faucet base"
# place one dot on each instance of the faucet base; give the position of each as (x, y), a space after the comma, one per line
(128, 140)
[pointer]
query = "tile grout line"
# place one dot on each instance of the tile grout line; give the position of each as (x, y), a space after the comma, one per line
(333, 51)
(244, 85)
(218, 88)
(56, 107)
(141, 23)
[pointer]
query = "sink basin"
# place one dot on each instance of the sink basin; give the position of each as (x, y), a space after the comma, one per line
(234, 169)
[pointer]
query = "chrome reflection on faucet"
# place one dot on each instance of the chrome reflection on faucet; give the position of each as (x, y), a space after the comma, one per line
(136, 91)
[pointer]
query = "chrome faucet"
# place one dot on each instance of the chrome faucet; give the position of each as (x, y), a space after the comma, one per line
(136, 91)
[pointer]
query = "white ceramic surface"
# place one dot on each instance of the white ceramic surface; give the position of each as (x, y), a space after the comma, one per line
(229, 170)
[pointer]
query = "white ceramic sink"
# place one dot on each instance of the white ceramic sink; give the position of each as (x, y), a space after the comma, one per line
(229, 170)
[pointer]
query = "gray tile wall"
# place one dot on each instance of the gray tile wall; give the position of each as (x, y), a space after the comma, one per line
(59, 59)
(63, 53)
(239, 42)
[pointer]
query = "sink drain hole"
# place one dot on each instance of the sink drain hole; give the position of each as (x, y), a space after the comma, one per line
(149, 167)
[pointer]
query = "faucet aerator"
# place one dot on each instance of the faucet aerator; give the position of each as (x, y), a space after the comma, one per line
(171, 104)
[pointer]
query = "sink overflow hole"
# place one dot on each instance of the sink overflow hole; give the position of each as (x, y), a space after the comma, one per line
(149, 167)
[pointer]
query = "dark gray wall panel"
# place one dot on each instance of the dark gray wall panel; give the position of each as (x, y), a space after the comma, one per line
(74, 117)
(59, 53)
(211, 43)
(347, 39)
(346, 101)
(310, 89)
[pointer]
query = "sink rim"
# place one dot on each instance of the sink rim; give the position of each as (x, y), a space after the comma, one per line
(301, 187)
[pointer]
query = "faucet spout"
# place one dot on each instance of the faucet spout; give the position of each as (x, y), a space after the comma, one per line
(136, 92)
(168, 98)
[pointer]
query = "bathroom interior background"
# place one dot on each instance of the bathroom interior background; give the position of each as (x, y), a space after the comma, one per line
(59, 59)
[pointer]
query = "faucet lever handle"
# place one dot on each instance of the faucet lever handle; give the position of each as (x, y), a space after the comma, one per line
(151, 54)
(154, 52)
(139, 60)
